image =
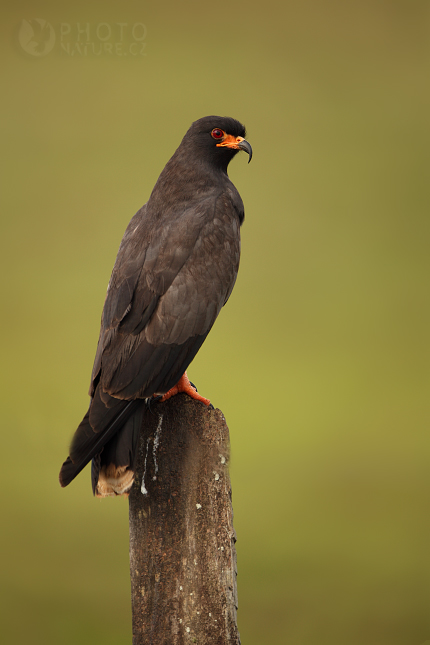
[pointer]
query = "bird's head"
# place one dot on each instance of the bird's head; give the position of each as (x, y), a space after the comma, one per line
(217, 139)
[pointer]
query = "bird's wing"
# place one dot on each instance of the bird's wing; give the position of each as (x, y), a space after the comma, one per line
(169, 282)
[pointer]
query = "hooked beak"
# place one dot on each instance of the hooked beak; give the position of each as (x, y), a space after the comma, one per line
(237, 143)
(245, 145)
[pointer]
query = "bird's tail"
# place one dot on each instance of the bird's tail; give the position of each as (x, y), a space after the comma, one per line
(112, 448)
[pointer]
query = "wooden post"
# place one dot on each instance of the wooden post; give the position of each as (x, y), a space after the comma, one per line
(182, 541)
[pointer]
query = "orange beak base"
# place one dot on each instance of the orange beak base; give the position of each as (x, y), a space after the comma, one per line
(230, 142)
(237, 143)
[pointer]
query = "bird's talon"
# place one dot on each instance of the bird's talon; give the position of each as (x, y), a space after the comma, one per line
(151, 400)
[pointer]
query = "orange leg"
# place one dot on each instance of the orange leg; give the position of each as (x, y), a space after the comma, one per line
(184, 385)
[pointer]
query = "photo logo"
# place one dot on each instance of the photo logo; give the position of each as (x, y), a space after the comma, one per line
(39, 37)
(36, 37)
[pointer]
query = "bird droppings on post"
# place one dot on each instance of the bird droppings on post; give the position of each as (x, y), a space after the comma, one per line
(155, 445)
(216, 477)
(187, 629)
(198, 506)
(222, 460)
(143, 487)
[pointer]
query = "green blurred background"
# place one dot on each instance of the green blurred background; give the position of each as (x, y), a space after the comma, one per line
(320, 361)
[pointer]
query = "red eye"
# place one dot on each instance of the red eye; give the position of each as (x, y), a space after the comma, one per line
(217, 133)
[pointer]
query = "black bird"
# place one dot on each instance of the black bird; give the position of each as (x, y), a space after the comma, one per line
(175, 269)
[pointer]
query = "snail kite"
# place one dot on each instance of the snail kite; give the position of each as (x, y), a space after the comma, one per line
(175, 269)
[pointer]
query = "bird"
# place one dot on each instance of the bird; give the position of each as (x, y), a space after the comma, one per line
(175, 269)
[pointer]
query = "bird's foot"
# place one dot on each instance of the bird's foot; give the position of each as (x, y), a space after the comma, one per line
(184, 385)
